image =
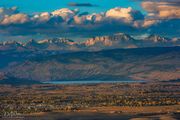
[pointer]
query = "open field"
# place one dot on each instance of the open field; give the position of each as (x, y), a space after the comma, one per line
(102, 116)
(121, 100)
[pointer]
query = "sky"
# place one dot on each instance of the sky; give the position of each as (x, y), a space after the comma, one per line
(29, 6)
(79, 19)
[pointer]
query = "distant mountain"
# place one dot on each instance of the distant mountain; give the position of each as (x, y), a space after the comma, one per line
(150, 64)
(52, 44)
(32, 44)
(2, 76)
(11, 45)
(119, 40)
(156, 39)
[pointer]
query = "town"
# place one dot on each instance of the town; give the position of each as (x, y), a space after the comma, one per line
(23, 100)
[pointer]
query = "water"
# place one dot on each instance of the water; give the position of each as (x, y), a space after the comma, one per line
(91, 82)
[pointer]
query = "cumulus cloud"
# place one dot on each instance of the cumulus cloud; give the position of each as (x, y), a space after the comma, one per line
(12, 16)
(7, 11)
(146, 23)
(73, 17)
(165, 9)
(65, 13)
(128, 14)
(42, 17)
(89, 18)
(15, 19)
(170, 27)
(66, 21)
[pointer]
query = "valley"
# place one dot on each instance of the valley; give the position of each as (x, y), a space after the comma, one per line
(125, 100)
(90, 60)
(96, 79)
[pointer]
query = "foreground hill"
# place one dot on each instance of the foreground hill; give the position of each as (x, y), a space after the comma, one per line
(152, 64)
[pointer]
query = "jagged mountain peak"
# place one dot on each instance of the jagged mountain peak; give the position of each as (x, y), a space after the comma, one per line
(62, 40)
(108, 40)
(11, 43)
(31, 42)
(176, 40)
(58, 41)
(52, 44)
(118, 40)
(156, 38)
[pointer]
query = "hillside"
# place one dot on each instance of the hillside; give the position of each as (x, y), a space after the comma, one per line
(150, 64)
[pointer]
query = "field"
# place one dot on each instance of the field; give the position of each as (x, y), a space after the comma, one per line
(95, 101)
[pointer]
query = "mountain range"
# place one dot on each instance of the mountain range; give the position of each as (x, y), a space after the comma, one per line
(149, 64)
(115, 57)
(119, 40)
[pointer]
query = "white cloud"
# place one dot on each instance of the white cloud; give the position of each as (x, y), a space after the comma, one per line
(145, 23)
(90, 18)
(71, 21)
(127, 14)
(7, 11)
(65, 13)
(162, 10)
(43, 17)
(120, 15)
(15, 19)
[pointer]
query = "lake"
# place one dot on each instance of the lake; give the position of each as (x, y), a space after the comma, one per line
(92, 81)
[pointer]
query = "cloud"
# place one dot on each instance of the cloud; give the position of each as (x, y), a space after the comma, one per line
(42, 17)
(12, 16)
(81, 4)
(7, 11)
(15, 19)
(66, 22)
(89, 18)
(126, 14)
(164, 9)
(170, 27)
(65, 13)
(70, 19)
(146, 23)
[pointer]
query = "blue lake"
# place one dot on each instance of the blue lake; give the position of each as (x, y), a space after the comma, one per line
(92, 82)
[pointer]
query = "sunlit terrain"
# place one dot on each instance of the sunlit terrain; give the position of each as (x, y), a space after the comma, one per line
(90, 60)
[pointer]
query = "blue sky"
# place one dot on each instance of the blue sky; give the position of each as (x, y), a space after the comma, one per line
(159, 17)
(30, 6)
